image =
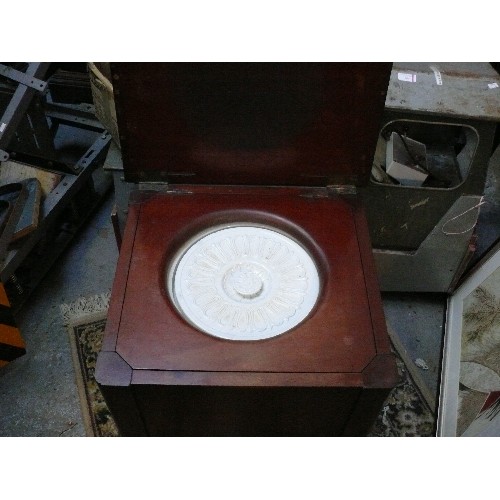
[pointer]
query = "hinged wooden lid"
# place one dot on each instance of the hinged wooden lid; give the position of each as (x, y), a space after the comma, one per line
(295, 124)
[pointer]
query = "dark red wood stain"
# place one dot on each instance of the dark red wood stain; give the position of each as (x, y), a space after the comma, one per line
(247, 143)
(333, 339)
(305, 124)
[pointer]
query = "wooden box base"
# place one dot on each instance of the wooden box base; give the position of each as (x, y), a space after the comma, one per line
(326, 377)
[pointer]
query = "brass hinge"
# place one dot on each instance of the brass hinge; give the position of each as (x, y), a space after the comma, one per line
(153, 186)
(162, 187)
(342, 189)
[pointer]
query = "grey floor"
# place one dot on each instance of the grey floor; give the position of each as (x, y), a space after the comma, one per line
(38, 393)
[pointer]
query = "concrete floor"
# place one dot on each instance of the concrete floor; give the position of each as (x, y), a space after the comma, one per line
(38, 394)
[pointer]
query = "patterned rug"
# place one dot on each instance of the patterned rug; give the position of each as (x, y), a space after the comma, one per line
(404, 413)
(85, 320)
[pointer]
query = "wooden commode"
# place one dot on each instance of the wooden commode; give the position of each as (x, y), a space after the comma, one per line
(245, 299)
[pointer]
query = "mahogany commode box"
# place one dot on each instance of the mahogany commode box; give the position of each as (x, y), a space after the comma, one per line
(245, 299)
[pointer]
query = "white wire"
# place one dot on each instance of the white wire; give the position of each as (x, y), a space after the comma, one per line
(481, 202)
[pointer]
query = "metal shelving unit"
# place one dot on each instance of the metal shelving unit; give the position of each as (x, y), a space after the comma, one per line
(63, 138)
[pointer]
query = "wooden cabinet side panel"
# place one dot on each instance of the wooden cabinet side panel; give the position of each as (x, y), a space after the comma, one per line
(230, 411)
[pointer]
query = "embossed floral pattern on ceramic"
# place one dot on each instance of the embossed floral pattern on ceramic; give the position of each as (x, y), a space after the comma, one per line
(244, 283)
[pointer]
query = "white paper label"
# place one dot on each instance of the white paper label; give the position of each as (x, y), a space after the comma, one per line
(493, 85)
(2, 127)
(407, 77)
(437, 75)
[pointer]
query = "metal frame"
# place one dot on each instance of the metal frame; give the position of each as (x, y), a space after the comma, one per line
(24, 78)
(19, 103)
(28, 128)
(56, 202)
(81, 115)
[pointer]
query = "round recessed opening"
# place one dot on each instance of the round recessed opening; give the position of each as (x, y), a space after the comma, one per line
(243, 282)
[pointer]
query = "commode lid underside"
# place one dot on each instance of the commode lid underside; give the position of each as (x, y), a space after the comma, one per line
(243, 282)
(271, 124)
